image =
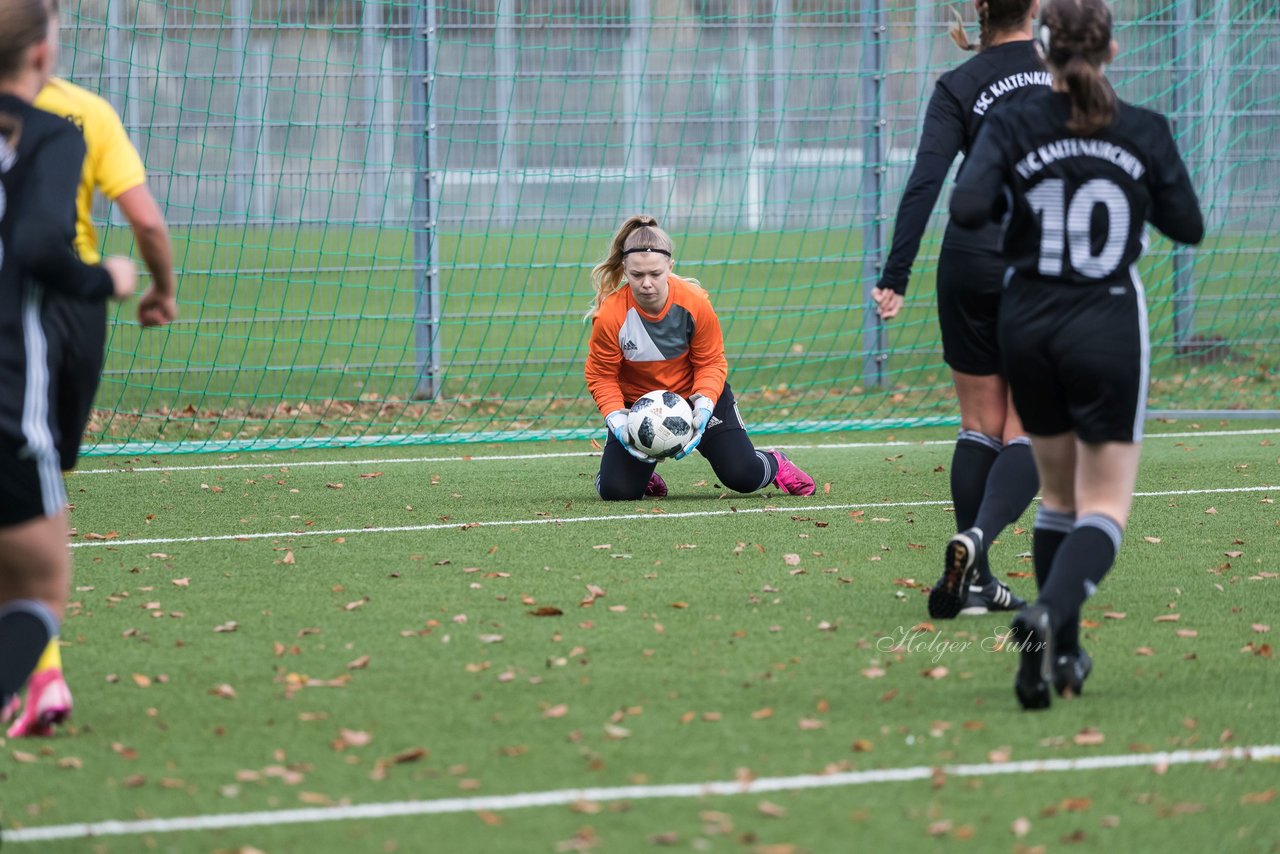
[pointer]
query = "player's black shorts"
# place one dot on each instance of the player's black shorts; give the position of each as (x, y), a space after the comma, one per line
(724, 417)
(1077, 357)
(970, 286)
(49, 418)
(31, 484)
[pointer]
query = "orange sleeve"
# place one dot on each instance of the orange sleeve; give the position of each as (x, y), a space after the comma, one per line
(706, 350)
(604, 360)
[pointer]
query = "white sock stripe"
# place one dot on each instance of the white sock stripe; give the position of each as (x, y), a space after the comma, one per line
(765, 460)
(1105, 524)
(1054, 520)
(980, 438)
(1021, 440)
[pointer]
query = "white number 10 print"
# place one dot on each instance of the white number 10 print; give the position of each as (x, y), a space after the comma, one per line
(1066, 227)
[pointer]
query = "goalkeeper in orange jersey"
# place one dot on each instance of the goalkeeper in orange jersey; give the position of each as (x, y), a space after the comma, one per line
(112, 167)
(651, 329)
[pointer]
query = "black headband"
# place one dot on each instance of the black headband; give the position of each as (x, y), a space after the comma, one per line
(646, 249)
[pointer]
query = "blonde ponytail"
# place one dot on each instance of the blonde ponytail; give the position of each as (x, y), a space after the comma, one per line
(638, 231)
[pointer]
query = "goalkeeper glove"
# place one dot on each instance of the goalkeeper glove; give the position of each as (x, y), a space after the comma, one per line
(702, 407)
(617, 423)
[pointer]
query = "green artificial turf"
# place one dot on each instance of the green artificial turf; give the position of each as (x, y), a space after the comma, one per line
(755, 636)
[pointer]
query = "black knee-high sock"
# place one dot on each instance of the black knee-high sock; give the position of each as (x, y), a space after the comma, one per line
(1011, 484)
(1051, 528)
(1083, 560)
(971, 463)
(25, 629)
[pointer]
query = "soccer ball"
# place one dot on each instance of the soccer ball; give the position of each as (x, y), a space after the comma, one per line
(660, 423)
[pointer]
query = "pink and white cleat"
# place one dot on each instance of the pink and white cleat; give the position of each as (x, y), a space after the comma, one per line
(657, 487)
(791, 479)
(48, 704)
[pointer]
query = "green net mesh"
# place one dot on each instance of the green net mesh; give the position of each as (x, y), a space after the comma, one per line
(385, 213)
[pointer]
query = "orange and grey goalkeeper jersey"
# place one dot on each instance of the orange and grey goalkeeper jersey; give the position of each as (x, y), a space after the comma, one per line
(633, 353)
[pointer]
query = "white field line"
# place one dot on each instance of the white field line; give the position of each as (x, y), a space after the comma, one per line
(567, 520)
(559, 797)
(373, 461)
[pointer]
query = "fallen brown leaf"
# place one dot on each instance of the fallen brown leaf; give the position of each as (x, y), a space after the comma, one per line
(940, 828)
(413, 754)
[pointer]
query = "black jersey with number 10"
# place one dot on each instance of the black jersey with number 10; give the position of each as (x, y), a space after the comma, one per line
(1075, 206)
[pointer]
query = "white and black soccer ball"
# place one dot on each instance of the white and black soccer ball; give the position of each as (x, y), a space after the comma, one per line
(660, 423)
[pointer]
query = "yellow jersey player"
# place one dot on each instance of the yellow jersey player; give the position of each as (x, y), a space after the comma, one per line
(112, 167)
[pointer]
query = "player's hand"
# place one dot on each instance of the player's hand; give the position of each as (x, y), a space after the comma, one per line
(124, 275)
(888, 302)
(702, 408)
(617, 423)
(157, 309)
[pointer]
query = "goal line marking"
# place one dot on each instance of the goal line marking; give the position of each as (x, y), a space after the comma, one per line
(560, 797)
(568, 520)
(552, 455)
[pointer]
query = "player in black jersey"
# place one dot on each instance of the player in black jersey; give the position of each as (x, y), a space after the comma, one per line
(41, 280)
(993, 477)
(1081, 172)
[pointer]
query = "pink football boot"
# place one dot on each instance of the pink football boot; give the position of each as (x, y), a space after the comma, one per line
(791, 479)
(48, 703)
(657, 487)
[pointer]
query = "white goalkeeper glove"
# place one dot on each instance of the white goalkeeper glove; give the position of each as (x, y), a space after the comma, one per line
(702, 407)
(617, 423)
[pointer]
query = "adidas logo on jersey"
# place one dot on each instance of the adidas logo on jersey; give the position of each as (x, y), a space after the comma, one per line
(713, 422)
(630, 345)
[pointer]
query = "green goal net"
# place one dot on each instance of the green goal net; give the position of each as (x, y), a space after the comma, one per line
(385, 213)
